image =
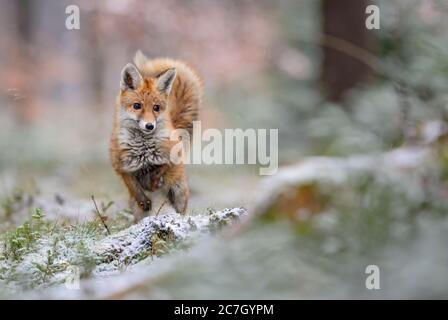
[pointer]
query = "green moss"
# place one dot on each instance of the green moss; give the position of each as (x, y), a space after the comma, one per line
(19, 242)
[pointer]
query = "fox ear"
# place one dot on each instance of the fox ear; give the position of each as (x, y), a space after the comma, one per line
(130, 78)
(140, 59)
(165, 81)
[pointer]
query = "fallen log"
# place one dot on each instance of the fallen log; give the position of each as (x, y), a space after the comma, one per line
(141, 240)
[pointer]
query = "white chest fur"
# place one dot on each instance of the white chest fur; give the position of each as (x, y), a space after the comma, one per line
(141, 150)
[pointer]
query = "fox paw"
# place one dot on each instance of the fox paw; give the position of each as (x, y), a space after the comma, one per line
(157, 179)
(156, 183)
(144, 205)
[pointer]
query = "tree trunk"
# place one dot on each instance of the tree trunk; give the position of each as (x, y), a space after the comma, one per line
(23, 83)
(344, 36)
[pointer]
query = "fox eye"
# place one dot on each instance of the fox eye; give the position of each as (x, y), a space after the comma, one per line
(156, 108)
(137, 106)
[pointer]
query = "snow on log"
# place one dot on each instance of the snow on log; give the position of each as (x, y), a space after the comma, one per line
(127, 246)
(295, 189)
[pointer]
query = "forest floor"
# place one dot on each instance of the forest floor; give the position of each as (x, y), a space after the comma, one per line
(309, 231)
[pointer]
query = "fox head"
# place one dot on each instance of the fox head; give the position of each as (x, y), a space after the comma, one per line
(144, 100)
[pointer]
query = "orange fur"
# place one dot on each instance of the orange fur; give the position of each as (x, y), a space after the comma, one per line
(187, 91)
(179, 109)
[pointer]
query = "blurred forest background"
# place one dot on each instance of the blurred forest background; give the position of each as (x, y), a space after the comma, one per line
(309, 68)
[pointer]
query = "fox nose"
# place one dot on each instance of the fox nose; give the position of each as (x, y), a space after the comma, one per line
(149, 126)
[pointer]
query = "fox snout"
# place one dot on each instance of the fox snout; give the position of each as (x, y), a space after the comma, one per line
(147, 126)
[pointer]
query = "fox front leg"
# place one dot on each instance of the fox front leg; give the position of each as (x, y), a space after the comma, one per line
(178, 196)
(140, 202)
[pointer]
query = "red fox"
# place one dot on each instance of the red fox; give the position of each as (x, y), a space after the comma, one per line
(156, 96)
